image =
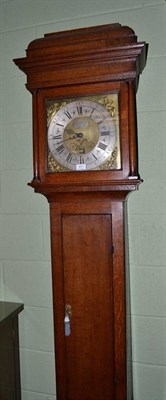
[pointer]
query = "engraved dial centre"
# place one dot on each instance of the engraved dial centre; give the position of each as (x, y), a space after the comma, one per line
(81, 135)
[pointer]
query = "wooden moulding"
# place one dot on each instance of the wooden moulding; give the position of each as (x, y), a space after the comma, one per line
(104, 53)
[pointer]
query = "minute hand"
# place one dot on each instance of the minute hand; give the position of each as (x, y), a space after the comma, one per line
(74, 136)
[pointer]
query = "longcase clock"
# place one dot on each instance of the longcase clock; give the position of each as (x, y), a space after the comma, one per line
(83, 84)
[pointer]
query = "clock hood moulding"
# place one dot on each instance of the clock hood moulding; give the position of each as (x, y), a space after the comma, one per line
(84, 55)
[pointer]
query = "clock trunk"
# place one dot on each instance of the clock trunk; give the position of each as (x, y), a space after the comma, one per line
(88, 254)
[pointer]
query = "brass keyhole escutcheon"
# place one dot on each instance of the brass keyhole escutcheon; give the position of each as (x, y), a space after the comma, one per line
(68, 311)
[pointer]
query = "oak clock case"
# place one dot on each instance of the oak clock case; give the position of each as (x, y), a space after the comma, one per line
(83, 84)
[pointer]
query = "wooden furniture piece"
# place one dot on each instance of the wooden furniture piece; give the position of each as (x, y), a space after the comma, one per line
(83, 84)
(10, 388)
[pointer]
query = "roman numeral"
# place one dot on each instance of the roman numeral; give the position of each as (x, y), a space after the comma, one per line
(60, 149)
(105, 133)
(69, 157)
(92, 112)
(68, 115)
(81, 160)
(57, 137)
(79, 110)
(102, 146)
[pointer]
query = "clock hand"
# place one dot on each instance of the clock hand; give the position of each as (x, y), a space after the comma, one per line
(74, 136)
(66, 140)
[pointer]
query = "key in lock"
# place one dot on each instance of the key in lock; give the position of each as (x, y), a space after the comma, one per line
(67, 320)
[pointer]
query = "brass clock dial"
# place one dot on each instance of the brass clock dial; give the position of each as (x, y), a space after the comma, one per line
(82, 135)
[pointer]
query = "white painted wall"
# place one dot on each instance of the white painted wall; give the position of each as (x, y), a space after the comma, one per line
(25, 272)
